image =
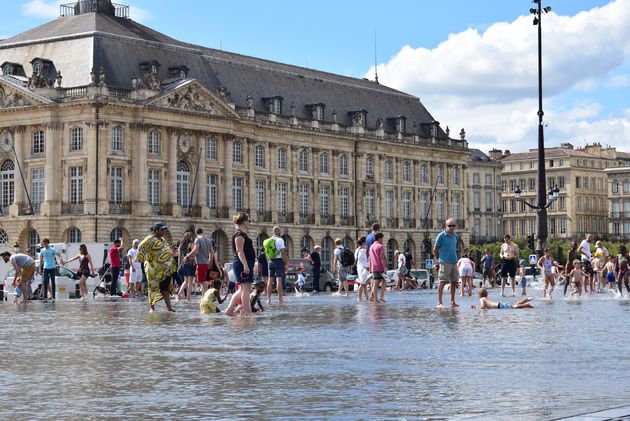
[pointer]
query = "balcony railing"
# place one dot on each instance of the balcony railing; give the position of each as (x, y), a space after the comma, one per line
(391, 222)
(120, 208)
(26, 209)
(346, 220)
(72, 209)
(88, 6)
(285, 218)
(193, 211)
(618, 215)
(219, 213)
(409, 223)
(163, 210)
(263, 216)
(371, 219)
(307, 219)
(327, 219)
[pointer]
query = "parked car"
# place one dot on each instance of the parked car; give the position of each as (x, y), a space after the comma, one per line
(326, 281)
(66, 282)
(420, 275)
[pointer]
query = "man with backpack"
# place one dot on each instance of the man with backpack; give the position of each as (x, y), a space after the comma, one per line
(278, 261)
(343, 259)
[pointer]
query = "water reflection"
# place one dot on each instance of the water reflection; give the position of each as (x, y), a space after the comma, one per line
(313, 358)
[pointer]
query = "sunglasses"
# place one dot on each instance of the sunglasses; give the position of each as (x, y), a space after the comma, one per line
(450, 225)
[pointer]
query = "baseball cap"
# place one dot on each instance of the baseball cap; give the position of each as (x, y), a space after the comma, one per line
(317, 246)
(159, 226)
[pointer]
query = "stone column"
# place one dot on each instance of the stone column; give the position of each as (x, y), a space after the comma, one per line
(357, 193)
(201, 189)
(316, 174)
(226, 185)
(380, 200)
(53, 144)
(19, 194)
(102, 170)
(91, 170)
(171, 157)
(250, 192)
(273, 194)
(294, 167)
(335, 206)
(140, 171)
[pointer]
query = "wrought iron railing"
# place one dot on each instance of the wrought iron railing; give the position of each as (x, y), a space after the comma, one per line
(162, 210)
(285, 218)
(72, 208)
(89, 6)
(120, 208)
(263, 216)
(26, 209)
(219, 213)
(327, 219)
(409, 223)
(307, 219)
(346, 220)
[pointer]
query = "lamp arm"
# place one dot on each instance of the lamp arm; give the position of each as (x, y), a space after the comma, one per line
(527, 203)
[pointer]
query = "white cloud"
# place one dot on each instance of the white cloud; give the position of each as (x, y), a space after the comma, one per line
(41, 9)
(486, 81)
(139, 15)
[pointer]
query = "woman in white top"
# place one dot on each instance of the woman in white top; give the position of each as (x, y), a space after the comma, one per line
(401, 270)
(360, 257)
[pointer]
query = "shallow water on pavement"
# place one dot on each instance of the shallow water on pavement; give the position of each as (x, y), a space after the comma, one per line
(317, 357)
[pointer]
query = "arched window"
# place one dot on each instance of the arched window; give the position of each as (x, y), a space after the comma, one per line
(115, 234)
(343, 164)
(327, 249)
(4, 238)
(410, 246)
(33, 241)
(406, 171)
(117, 139)
(76, 139)
(259, 242)
(7, 182)
(282, 159)
(303, 161)
(260, 156)
(306, 244)
(348, 243)
(183, 184)
(424, 173)
(369, 166)
(392, 245)
(323, 163)
(389, 170)
(440, 174)
(74, 235)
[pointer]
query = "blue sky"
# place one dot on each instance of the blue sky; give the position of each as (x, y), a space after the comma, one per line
(472, 63)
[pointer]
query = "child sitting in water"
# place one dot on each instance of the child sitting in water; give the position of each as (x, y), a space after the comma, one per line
(485, 303)
(254, 298)
(208, 303)
(577, 277)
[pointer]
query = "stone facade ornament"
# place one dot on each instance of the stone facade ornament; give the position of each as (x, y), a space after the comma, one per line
(10, 98)
(152, 81)
(189, 100)
(379, 123)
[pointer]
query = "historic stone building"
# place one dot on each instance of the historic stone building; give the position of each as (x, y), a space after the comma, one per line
(484, 198)
(107, 126)
(579, 174)
(619, 202)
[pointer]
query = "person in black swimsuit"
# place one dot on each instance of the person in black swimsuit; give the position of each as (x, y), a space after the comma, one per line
(242, 265)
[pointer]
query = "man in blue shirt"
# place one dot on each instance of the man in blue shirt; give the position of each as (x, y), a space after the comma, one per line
(371, 238)
(48, 257)
(445, 252)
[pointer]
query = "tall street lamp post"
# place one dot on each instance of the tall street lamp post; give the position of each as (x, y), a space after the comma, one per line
(542, 204)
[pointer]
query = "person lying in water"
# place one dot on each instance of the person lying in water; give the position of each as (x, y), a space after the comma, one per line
(485, 302)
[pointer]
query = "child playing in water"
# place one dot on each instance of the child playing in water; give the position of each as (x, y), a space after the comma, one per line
(485, 303)
(208, 303)
(301, 280)
(610, 274)
(466, 269)
(521, 275)
(546, 265)
(254, 298)
(577, 277)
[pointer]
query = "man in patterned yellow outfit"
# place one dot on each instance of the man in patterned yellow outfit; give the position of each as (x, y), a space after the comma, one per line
(159, 266)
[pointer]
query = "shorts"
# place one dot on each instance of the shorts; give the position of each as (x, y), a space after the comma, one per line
(187, 270)
(466, 270)
(448, 272)
(201, 272)
(588, 268)
(343, 273)
(276, 269)
(377, 276)
(240, 275)
(611, 277)
(488, 272)
(264, 273)
(402, 271)
(508, 268)
(504, 306)
(27, 273)
(523, 282)
(135, 277)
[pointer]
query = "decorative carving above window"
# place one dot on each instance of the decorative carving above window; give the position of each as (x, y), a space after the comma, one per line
(178, 72)
(359, 117)
(44, 74)
(150, 72)
(317, 111)
(273, 104)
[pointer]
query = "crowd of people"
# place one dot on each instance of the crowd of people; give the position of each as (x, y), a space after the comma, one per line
(162, 271)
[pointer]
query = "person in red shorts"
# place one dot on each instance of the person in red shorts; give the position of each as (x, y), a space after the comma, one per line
(201, 252)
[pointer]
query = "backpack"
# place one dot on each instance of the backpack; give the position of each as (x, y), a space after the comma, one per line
(269, 246)
(347, 257)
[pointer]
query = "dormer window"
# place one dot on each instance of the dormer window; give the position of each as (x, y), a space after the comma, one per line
(150, 67)
(359, 117)
(400, 124)
(41, 67)
(10, 68)
(274, 104)
(180, 72)
(317, 112)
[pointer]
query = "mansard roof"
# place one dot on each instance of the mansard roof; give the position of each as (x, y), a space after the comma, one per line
(78, 44)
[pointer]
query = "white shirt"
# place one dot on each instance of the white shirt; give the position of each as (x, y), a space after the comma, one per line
(585, 247)
(279, 246)
(132, 253)
(402, 260)
(360, 255)
(337, 254)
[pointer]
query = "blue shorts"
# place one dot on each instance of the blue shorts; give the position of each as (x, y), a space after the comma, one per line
(276, 269)
(611, 277)
(504, 306)
(240, 275)
(523, 282)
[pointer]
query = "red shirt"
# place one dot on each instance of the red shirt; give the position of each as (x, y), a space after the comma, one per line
(376, 257)
(114, 256)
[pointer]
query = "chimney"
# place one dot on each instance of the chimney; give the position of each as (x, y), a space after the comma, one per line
(496, 154)
(506, 153)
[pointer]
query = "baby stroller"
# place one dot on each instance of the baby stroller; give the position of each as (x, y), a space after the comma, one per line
(105, 280)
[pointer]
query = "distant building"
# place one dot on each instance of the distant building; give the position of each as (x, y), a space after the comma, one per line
(579, 174)
(619, 202)
(485, 213)
(116, 126)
